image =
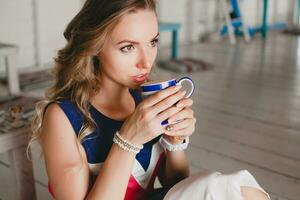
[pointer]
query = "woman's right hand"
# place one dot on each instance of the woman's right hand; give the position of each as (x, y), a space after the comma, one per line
(144, 123)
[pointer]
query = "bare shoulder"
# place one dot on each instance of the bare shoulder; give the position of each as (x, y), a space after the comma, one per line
(58, 139)
(54, 113)
(56, 123)
(65, 158)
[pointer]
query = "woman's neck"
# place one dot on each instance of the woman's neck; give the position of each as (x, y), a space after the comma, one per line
(113, 100)
(111, 96)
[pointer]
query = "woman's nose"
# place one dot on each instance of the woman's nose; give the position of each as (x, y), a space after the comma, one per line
(143, 61)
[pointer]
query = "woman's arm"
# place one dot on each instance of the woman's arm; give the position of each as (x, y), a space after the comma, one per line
(113, 178)
(67, 166)
(176, 168)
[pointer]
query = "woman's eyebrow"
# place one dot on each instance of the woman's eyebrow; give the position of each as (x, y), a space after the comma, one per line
(135, 42)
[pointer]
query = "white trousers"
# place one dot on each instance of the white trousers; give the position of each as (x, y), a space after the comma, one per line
(213, 186)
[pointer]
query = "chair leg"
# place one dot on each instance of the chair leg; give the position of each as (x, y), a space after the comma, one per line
(244, 27)
(228, 22)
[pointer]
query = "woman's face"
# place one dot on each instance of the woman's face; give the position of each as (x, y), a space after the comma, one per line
(129, 53)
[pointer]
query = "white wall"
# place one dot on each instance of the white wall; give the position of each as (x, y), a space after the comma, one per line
(173, 11)
(53, 17)
(17, 27)
(277, 11)
(196, 16)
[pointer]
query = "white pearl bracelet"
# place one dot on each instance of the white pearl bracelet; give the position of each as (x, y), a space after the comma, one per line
(171, 147)
(125, 145)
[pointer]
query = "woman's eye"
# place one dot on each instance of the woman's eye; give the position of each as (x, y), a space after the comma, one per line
(154, 43)
(127, 48)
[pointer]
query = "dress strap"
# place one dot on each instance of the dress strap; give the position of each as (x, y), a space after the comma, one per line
(72, 112)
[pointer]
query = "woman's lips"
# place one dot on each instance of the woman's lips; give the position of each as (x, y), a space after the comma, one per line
(140, 78)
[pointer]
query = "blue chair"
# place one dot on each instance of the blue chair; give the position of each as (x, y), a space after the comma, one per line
(174, 28)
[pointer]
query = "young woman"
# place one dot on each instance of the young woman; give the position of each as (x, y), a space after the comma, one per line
(100, 140)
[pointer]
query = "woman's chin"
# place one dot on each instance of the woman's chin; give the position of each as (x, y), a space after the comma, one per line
(134, 87)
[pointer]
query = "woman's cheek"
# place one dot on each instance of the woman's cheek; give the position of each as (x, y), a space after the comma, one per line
(153, 56)
(128, 60)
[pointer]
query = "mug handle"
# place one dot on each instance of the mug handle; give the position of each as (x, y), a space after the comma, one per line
(190, 81)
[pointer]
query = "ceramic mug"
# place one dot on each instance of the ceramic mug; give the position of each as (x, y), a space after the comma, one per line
(152, 87)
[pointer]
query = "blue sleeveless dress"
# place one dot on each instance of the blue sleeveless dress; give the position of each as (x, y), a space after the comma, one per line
(148, 163)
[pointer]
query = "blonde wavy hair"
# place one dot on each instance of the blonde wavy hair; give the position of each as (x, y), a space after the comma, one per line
(77, 68)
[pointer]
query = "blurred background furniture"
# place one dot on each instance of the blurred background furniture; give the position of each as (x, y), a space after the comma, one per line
(235, 25)
(14, 140)
(174, 28)
(9, 53)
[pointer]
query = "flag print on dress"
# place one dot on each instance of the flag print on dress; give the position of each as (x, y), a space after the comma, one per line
(148, 162)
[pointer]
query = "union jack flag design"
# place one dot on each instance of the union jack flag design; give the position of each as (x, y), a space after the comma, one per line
(148, 163)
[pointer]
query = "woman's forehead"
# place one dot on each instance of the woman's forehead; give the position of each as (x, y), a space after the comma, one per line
(140, 26)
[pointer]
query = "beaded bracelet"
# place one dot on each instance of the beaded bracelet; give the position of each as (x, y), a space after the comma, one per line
(125, 145)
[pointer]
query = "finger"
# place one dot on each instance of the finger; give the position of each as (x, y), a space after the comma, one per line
(182, 132)
(182, 125)
(166, 114)
(183, 114)
(186, 102)
(168, 102)
(159, 96)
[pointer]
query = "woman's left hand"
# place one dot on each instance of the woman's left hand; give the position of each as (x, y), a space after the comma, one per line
(186, 127)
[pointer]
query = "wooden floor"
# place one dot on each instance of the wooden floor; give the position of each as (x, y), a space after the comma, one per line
(248, 114)
(248, 111)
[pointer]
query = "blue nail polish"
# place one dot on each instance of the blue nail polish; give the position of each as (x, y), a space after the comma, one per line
(165, 122)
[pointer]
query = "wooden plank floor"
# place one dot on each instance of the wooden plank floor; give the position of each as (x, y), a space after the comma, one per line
(248, 111)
